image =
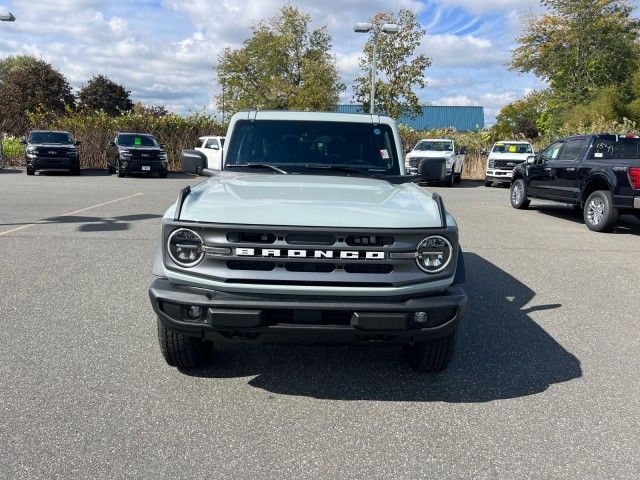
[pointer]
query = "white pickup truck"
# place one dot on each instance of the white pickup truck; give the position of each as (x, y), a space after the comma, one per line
(211, 147)
(503, 158)
(437, 148)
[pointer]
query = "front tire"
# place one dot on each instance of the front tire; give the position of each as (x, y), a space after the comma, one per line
(162, 175)
(119, 169)
(599, 213)
(488, 183)
(31, 171)
(450, 180)
(180, 350)
(434, 355)
(518, 195)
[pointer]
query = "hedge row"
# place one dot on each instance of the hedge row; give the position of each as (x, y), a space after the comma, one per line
(96, 129)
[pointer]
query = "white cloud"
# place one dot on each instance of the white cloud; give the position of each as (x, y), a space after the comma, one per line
(462, 50)
(456, 100)
(487, 6)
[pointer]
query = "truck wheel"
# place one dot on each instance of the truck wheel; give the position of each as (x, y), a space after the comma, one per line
(180, 350)
(599, 213)
(31, 171)
(433, 355)
(518, 195)
(458, 177)
(449, 180)
(162, 175)
(119, 170)
(488, 183)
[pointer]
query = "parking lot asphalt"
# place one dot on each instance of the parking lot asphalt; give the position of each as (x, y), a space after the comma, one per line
(544, 383)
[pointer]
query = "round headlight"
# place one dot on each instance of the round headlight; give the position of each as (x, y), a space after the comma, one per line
(185, 247)
(434, 254)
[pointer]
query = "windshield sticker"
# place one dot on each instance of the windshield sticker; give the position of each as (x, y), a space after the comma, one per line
(137, 141)
(598, 155)
(385, 154)
(376, 131)
(513, 149)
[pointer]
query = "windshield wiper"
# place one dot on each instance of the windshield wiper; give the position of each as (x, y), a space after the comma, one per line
(257, 165)
(342, 168)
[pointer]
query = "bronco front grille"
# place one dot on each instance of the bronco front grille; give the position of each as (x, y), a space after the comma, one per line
(311, 256)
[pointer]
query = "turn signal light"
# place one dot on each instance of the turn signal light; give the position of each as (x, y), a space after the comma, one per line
(634, 177)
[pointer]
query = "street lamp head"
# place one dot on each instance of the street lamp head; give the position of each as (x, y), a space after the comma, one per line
(362, 27)
(7, 16)
(390, 28)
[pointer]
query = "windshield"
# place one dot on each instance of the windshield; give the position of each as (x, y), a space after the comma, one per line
(133, 140)
(435, 146)
(614, 147)
(50, 137)
(503, 147)
(293, 145)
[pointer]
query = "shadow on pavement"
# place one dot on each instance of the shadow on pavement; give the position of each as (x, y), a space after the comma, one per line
(95, 224)
(502, 353)
(627, 224)
(10, 170)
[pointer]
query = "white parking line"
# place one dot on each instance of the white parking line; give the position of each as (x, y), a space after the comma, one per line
(69, 214)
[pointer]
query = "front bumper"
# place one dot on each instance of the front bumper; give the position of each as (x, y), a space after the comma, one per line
(140, 166)
(48, 163)
(495, 175)
(298, 319)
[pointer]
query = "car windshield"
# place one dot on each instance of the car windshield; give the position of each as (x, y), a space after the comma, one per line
(133, 140)
(297, 145)
(434, 146)
(50, 137)
(614, 147)
(504, 147)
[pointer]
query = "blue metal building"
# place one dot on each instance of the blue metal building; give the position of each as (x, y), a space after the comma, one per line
(433, 116)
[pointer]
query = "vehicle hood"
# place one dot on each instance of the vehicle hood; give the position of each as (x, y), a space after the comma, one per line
(519, 157)
(430, 154)
(309, 201)
(52, 145)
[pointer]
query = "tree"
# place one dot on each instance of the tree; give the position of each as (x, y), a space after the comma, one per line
(153, 110)
(26, 85)
(580, 46)
(283, 65)
(522, 117)
(399, 68)
(100, 93)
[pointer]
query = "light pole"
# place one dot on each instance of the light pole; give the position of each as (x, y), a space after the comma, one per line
(366, 27)
(6, 16)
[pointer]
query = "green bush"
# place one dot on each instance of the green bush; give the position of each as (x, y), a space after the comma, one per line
(12, 151)
(96, 129)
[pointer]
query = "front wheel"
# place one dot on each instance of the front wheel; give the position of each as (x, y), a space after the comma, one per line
(488, 183)
(434, 355)
(518, 195)
(599, 213)
(119, 169)
(180, 350)
(450, 180)
(162, 175)
(31, 171)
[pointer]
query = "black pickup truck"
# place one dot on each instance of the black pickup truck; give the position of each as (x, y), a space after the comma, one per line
(600, 174)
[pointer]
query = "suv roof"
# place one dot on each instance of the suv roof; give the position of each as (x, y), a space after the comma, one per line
(311, 116)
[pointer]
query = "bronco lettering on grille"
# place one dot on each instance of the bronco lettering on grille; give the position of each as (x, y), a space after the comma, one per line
(317, 254)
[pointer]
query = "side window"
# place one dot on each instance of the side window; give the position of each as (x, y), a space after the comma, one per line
(572, 149)
(211, 143)
(551, 152)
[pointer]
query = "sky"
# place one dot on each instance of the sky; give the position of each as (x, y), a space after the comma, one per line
(165, 51)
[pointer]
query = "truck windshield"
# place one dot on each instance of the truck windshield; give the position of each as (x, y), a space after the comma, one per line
(294, 145)
(614, 147)
(50, 137)
(434, 146)
(133, 140)
(505, 147)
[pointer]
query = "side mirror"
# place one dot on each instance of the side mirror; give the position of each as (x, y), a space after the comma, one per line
(407, 149)
(483, 151)
(23, 142)
(432, 169)
(112, 143)
(193, 162)
(78, 143)
(531, 159)
(463, 151)
(163, 145)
